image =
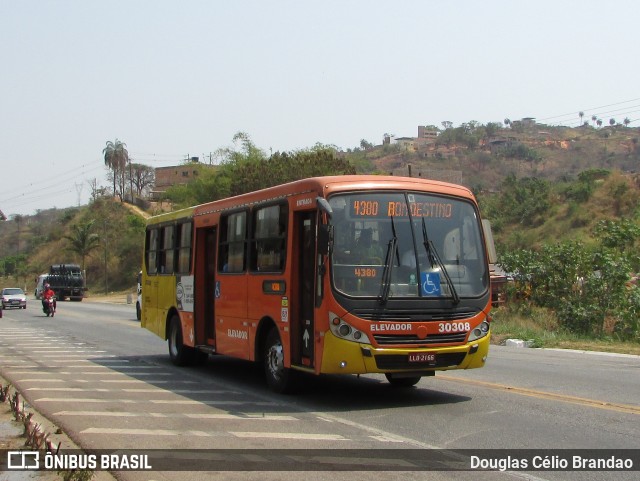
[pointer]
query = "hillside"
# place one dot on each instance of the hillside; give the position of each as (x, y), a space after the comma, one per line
(30, 244)
(481, 158)
(536, 185)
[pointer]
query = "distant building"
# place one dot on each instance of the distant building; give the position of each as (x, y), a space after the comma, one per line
(408, 143)
(525, 123)
(428, 132)
(176, 175)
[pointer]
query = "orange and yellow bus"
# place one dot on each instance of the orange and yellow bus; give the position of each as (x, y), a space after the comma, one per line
(345, 274)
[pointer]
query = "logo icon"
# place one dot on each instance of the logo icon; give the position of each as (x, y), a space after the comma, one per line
(22, 460)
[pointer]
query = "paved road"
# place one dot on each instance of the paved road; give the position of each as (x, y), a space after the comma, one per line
(109, 385)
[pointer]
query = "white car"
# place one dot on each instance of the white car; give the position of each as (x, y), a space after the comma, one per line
(13, 297)
(42, 279)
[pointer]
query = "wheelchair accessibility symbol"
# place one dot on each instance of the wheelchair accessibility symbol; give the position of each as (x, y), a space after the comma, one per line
(430, 284)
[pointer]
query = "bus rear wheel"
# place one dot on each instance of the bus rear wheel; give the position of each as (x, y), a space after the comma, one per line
(180, 354)
(402, 381)
(279, 378)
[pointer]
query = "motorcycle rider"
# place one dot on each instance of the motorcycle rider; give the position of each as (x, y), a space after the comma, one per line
(48, 293)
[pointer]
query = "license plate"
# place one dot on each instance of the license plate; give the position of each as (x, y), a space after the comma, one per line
(422, 357)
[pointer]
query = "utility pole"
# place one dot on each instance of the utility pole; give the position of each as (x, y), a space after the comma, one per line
(79, 192)
(106, 285)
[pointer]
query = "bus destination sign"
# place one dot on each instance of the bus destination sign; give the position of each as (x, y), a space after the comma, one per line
(376, 208)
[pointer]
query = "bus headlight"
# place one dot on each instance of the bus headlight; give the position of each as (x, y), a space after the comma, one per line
(479, 332)
(344, 330)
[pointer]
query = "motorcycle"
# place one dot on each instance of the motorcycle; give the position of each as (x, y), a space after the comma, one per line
(49, 306)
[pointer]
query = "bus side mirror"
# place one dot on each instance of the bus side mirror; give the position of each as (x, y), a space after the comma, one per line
(324, 238)
(491, 247)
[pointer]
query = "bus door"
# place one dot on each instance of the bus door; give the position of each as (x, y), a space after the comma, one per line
(303, 325)
(205, 286)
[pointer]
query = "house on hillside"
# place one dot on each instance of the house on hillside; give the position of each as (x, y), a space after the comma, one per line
(526, 123)
(176, 175)
(429, 132)
(407, 143)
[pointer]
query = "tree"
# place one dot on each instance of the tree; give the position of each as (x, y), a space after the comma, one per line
(612, 122)
(116, 158)
(491, 129)
(626, 121)
(364, 145)
(507, 122)
(594, 118)
(141, 177)
(447, 124)
(82, 240)
(599, 122)
(581, 114)
(528, 198)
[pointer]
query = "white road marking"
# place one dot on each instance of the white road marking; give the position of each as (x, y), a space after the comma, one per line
(130, 414)
(305, 436)
(155, 401)
(167, 432)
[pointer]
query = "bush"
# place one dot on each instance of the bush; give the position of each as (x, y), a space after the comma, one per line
(588, 287)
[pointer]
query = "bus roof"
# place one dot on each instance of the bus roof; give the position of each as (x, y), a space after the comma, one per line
(170, 216)
(318, 185)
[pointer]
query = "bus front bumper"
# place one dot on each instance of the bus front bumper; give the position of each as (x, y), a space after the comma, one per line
(341, 356)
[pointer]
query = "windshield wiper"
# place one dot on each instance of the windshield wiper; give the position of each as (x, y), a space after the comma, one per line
(392, 251)
(434, 259)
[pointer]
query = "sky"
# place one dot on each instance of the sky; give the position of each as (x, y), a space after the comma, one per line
(177, 79)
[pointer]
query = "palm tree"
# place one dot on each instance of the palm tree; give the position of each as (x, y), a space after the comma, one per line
(599, 122)
(594, 118)
(83, 241)
(626, 121)
(612, 122)
(581, 114)
(116, 158)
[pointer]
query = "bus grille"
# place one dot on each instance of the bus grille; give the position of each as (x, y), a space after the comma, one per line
(401, 361)
(412, 315)
(413, 340)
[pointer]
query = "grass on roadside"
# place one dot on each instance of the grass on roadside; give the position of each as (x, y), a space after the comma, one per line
(540, 326)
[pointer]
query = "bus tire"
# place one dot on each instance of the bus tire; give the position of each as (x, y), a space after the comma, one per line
(279, 378)
(180, 354)
(402, 381)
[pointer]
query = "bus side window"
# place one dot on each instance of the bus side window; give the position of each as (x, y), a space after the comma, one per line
(233, 240)
(151, 249)
(268, 251)
(184, 247)
(168, 245)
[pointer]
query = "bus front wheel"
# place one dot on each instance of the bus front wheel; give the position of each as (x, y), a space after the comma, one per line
(279, 378)
(402, 381)
(179, 353)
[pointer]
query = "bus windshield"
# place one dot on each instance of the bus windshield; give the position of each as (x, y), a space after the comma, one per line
(406, 244)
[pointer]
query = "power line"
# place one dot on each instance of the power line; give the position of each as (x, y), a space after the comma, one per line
(592, 108)
(590, 115)
(72, 174)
